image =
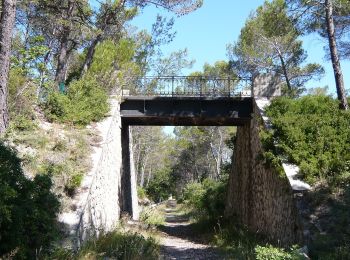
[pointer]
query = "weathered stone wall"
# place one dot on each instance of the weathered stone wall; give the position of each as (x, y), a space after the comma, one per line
(267, 85)
(101, 210)
(258, 196)
(108, 189)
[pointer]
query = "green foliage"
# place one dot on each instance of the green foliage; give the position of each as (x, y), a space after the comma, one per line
(22, 123)
(269, 43)
(242, 244)
(73, 183)
(27, 208)
(121, 246)
(113, 64)
(273, 253)
(173, 64)
(141, 192)
(22, 97)
(113, 245)
(152, 216)
(207, 198)
(84, 102)
(29, 58)
(193, 195)
(161, 185)
(313, 133)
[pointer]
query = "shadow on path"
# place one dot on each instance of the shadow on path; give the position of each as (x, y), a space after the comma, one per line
(179, 239)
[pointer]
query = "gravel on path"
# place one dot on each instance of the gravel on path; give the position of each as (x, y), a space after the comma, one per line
(179, 241)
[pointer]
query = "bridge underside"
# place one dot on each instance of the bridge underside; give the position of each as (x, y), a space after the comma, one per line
(186, 111)
(257, 195)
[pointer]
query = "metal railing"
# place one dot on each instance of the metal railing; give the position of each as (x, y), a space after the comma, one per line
(188, 86)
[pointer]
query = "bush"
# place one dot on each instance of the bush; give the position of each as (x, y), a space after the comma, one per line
(240, 243)
(273, 253)
(313, 133)
(84, 102)
(206, 198)
(27, 209)
(161, 186)
(152, 216)
(22, 123)
(22, 94)
(141, 192)
(193, 195)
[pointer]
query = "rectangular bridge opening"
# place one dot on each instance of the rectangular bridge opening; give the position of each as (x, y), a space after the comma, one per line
(169, 160)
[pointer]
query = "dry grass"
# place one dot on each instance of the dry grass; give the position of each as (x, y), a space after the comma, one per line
(56, 149)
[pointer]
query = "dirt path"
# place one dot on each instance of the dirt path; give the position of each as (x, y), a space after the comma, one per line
(179, 241)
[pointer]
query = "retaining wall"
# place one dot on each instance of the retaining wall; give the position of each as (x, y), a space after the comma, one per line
(258, 196)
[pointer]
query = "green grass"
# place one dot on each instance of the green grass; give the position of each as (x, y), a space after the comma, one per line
(115, 245)
(238, 243)
(153, 216)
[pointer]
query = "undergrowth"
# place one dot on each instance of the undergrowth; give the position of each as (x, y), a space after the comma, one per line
(58, 150)
(242, 244)
(84, 102)
(28, 209)
(153, 216)
(207, 203)
(113, 245)
(313, 133)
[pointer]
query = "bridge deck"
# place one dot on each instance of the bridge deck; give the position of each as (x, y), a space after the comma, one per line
(143, 110)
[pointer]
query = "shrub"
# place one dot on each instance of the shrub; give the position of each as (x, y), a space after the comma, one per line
(22, 94)
(313, 133)
(141, 192)
(193, 195)
(22, 123)
(161, 186)
(84, 102)
(206, 198)
(73, 183)
(240, 243)
(27, 209)
(274, 253)
(152, 216)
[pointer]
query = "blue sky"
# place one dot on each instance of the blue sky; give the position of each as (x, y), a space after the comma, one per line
(207, 31)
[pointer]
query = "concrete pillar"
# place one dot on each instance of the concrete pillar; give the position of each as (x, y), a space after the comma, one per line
(129, 201)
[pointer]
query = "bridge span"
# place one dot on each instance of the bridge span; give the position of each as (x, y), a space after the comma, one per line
(258, 195)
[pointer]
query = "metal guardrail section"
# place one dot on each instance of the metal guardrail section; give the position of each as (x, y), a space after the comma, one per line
(189, 86)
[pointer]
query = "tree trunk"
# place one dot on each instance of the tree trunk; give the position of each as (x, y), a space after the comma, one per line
(338, 75)
(285, 71)
(143, 168)
(64, 46)
(90, 54)
(42, 72)
(62, 59)
(7, 21)
(149, 177)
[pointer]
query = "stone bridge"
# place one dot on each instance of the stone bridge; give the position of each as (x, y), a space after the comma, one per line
(258, 196)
